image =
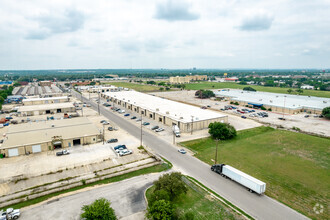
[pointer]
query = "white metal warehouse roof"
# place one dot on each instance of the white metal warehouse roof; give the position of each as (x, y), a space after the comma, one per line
(175, 110)
(28, 108)
(43, 99)
(276, 99)
(40, 132)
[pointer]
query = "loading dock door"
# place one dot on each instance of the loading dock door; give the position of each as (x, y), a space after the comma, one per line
(76, 142)
(36, 148)
(13, 152)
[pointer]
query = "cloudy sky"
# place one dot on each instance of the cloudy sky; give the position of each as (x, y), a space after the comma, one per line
(59, 34)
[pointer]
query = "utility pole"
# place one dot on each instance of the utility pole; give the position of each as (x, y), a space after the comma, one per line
(173, 137)
(284, 106)
(216, 152)
(141, 128)
(103, 134)
(192, 124)
(98, 104)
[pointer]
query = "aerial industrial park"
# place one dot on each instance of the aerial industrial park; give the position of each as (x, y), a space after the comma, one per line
(164, 110)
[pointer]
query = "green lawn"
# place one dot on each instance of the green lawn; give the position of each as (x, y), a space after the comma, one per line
(295, 166)
(135, 86)
(201, 204)
(230, 85)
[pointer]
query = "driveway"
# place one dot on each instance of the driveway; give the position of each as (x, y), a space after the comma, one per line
(126, 197)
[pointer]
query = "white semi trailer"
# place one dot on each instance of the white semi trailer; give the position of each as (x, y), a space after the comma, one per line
(253, 184)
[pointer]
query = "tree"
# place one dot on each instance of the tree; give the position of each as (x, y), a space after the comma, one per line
(203, 94)
(249, 89)
(299, 91)
(326, 112)
(159, 195)
(161, 88)
(99, 209)
(221, 131)
(290, 91)
(160, 210)
(172, 183)
(92, 83)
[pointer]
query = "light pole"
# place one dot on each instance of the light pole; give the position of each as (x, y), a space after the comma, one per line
(192, 124)
(141, 128)
(284, 106)
(98, 104)
(103, 134)
(216, 152)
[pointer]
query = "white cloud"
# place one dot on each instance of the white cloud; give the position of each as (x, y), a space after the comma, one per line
(164, 34)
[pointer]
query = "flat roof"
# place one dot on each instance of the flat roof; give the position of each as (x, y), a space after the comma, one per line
(27, 108)
(174, 110)
(276, 99)
(43, 99)
(40, 132)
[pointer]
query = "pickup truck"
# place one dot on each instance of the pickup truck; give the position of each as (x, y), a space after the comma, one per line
(63, 152)
(9, 214)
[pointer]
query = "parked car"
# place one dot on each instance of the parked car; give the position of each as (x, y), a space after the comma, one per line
(113, 140)
(243, 116)
(282, 119)
(127, 115)
(203, 107)
(306, 116)
(63, 152)
(208, 106)
(110, 129)
(119, 147)
(134, 117)
(9, 117)
(139, 119)
(159, 129)
(105, 123)
(6, 124)
(145, 123)
(125, 152)
(182, 151)
(154, 127)
(10, 213)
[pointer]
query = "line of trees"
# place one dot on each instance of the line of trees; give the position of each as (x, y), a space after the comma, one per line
(4, 93)
(204, 94)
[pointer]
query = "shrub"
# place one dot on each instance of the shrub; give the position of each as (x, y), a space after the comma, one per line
(262, 108)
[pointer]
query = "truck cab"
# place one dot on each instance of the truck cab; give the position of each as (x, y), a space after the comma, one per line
(217, 168)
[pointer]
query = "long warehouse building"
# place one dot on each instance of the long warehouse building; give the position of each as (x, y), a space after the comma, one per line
(291, 104)
(44, 136)
(168, 112)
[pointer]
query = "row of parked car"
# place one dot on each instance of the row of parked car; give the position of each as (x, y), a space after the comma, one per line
(154, 128)
(122, 150)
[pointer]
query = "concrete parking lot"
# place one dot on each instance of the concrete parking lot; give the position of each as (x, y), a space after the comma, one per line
(311, 124)
(45, 162)
(126, 197)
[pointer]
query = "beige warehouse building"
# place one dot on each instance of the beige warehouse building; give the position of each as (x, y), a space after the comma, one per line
(187, 79)
(48, 100)
(30, 110)
(49, 135)
(165, 111)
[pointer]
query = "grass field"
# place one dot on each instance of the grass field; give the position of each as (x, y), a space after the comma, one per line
(135, 86)
(295, 166)
(209, 85)
(201, 204)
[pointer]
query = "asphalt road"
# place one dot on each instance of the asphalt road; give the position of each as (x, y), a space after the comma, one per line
(126, 197)
(259, 207)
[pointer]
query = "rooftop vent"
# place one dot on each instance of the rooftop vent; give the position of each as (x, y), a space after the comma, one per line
(167, 113)
(53, 126)
(181, 117)
(157, 109)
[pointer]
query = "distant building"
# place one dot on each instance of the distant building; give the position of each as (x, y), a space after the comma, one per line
(187, 79)
(306, 87)
(233, 79)
(45, 83)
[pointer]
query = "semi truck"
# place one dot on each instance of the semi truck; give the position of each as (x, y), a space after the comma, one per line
(176, 131)
(251, 183)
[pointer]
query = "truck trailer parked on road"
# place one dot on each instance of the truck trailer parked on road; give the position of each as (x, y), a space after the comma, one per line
(253, 184)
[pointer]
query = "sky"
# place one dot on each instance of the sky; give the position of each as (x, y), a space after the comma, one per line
(174, 34)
